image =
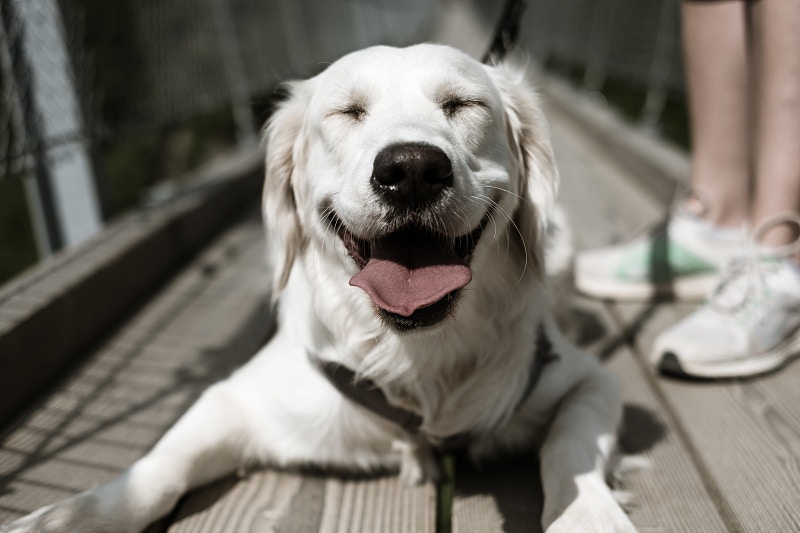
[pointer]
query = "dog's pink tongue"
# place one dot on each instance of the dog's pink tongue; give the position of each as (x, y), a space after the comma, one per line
(409, 272)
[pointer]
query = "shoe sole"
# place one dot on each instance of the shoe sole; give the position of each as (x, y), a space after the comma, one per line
(685, 289)
(670, 364)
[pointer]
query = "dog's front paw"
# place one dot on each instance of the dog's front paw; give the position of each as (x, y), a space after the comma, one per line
(611, 520)
(83, 513)
(67, 516)
(594, 510)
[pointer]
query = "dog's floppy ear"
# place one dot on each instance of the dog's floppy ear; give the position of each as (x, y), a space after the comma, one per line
(283, 139)
(529, 135)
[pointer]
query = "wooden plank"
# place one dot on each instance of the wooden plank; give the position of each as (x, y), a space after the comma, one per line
(745, 435)
(81, 293)
(602, 201)
(291, 502)
(668, 493)
(132, 387)
(656, 165)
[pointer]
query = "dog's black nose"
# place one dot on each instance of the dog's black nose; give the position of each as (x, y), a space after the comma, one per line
(411, 173)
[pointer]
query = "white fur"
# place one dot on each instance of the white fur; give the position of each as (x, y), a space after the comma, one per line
(467, 373)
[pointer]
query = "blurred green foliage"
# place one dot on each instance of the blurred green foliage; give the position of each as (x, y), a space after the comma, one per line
(17, 247)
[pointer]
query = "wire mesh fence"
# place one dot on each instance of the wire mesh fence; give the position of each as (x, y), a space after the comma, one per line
(139, 64)
(16, 146)
(636, 42)
(131, 91)
(139, 90)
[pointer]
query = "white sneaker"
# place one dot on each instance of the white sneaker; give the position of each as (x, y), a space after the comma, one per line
(680, 260)
(750, 324)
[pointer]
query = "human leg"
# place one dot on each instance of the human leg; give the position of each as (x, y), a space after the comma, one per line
(776, 40)
(750, 324)
(716, 61)
(682, 260)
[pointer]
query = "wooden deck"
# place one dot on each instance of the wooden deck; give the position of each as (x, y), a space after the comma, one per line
(711, 456)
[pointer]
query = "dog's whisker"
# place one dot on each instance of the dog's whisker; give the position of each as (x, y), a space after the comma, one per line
(497, 239)
(331, 227)
(512, 193)
(488, 205)
(513, 224)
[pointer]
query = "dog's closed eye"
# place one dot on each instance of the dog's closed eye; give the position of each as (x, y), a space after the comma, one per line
(356, 110)
(454, 104)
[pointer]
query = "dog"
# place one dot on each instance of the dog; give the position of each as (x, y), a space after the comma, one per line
(408, 201)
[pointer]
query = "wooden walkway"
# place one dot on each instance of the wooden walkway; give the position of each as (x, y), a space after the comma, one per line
(709, 456)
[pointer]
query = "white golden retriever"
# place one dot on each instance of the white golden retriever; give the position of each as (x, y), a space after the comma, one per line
(407, 199)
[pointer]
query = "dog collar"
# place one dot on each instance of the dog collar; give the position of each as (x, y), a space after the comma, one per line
(369, 395)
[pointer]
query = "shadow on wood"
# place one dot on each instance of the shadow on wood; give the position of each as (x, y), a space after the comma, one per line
(504, 495)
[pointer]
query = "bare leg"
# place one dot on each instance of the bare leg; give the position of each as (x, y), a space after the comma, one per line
(777, 145)
(715, 47)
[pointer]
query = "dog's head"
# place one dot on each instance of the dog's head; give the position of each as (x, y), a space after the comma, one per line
(406, 165)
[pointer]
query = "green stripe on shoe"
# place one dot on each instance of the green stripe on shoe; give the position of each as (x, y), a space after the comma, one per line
(661, 260)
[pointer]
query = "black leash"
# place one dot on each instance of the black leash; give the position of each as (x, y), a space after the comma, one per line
(507, 32)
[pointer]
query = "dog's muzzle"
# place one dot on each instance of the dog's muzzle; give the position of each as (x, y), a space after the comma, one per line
(413, 274)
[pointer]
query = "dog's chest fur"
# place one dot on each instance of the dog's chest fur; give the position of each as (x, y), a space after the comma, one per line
(466, 378)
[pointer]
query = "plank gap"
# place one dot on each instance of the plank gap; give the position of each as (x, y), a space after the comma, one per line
(718, 499)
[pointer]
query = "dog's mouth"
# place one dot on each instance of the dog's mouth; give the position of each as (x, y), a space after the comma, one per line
(412, 275)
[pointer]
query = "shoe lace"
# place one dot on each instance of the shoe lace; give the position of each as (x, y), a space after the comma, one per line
(744, 286)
